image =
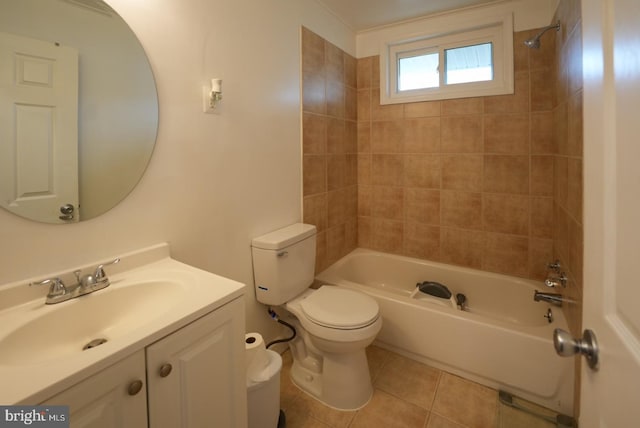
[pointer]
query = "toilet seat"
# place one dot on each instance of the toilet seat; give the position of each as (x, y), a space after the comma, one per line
(340, 308)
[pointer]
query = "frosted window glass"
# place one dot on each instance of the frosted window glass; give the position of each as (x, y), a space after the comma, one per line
(418, 72)
(469, 64)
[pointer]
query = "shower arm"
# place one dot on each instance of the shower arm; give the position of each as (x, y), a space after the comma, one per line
(532, 41)
(544, 30)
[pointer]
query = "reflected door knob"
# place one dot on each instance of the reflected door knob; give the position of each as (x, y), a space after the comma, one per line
(67, 211)
(566, 346)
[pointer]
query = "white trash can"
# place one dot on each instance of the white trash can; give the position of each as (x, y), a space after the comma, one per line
(263, 393)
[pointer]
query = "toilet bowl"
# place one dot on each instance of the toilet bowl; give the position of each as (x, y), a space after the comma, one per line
(329, 359)
(334, 324)
(337, 318)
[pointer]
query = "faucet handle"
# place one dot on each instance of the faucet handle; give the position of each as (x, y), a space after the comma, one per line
(56, 287)
(100, 275)
(554, 281)
(555, 266)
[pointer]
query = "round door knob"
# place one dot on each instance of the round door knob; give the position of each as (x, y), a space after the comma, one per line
(165, 370)
(567, 346)
(134, 387)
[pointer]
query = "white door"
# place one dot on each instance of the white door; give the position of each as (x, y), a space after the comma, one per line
(38, 128)
(610, 397)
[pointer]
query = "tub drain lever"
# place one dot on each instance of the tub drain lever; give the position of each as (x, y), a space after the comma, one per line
(461, 301)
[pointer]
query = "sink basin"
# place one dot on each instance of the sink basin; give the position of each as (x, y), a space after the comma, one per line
(66, 328)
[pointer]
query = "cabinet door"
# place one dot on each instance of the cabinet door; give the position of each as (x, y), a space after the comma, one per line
(108, 399)
(197, 375)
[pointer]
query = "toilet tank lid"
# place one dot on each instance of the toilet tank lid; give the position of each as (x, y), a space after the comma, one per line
(282, 238)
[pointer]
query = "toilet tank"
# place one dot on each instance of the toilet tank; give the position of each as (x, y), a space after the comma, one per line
(284, 263)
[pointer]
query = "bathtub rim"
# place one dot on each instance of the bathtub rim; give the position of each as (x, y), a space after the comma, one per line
(543, 331)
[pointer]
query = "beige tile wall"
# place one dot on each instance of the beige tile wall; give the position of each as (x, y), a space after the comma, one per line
(464, 181)
(568, 175)
(329, 126)
(477, 182)
(567, 113)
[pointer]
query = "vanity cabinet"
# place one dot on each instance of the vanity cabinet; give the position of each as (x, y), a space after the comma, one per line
(192, 378)
(196, 376)
(115, 397)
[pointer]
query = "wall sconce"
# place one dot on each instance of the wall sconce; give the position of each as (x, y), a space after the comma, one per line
(212, 96)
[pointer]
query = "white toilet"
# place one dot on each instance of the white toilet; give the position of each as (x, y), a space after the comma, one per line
(334, 325)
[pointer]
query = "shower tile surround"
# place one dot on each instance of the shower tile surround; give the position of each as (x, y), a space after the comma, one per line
(329, 146)
(471, 178)
(568, 161)
(464, 181)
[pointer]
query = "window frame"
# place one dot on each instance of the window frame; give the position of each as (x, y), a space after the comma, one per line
(497, 30)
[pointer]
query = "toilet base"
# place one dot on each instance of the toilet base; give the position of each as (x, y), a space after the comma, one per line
(343, 383)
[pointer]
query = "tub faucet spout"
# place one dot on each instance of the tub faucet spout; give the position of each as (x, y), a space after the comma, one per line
(555, 299)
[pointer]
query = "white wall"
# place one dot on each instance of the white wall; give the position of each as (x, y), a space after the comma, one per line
(214, 181)
(527, 14)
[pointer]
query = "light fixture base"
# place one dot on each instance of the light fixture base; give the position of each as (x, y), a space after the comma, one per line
(210, 103)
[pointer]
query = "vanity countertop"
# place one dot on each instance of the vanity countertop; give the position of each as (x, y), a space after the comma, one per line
(41, 345)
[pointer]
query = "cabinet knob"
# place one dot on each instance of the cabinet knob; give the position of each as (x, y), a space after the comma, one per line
(165, 370)
(134, 387)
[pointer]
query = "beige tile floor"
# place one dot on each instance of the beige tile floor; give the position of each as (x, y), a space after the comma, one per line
(407, 394)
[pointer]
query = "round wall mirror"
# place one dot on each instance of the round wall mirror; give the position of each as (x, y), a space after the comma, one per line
(78, 109)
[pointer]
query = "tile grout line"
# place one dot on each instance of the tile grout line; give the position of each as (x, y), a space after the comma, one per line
(433, 400)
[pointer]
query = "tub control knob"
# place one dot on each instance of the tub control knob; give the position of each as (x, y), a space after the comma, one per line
(308, 378)
(567, 346)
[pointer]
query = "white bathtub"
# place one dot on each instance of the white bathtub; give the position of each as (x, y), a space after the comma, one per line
(502, 341)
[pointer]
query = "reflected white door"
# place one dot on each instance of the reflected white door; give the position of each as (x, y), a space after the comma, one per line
(611, 53)
(38, 128)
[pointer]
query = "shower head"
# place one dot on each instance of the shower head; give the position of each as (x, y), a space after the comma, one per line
(534, 42)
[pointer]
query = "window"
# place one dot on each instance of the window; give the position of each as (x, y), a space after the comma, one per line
(457, 64)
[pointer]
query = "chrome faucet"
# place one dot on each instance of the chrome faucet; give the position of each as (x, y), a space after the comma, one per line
(559, 278)
(95, 281)
(555, 299)
(85, 284)
(554, 281)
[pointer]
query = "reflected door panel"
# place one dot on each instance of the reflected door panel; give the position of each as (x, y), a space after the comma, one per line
(39, 123)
